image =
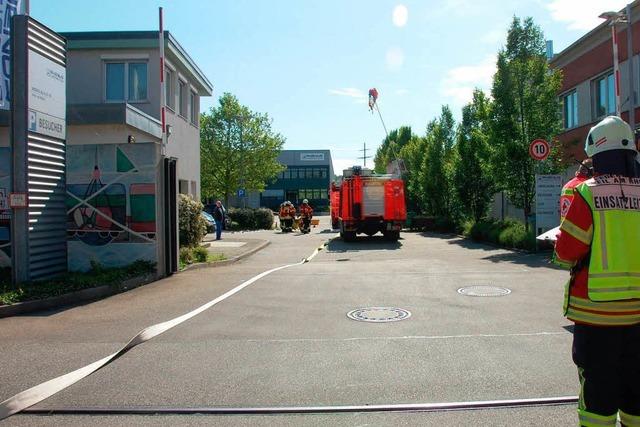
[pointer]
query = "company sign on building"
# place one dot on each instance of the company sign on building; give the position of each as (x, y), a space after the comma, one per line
(312, 157)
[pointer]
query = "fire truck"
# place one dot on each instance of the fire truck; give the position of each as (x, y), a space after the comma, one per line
(367, 203)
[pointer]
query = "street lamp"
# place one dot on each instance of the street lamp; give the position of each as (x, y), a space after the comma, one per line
(614, 18)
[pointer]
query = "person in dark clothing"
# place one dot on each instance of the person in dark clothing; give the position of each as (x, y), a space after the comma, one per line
(218, 217)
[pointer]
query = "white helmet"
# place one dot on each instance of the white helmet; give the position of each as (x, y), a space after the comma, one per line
(305, 201)
(612, 133)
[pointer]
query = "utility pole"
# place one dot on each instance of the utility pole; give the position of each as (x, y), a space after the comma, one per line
(364, 155)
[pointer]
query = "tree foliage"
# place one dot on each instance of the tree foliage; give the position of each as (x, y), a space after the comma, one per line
(436, 172)
(526, 107)
(391, 147)
(238, 148)
(473, 178)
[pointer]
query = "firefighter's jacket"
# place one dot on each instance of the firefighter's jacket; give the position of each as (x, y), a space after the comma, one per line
(566, 196)
(600, 238)
(287, 212)
(306, 211)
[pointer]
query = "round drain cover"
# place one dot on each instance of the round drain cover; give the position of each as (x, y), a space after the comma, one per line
(484, 291)
(378, 314)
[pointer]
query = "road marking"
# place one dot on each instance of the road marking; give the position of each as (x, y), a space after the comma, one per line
(40, 392)
(411, 337)
(274, 410)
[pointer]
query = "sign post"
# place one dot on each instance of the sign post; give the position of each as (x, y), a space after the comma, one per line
(548, 188)
(38, 144)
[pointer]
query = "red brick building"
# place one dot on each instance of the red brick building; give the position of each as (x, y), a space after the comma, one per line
(588, 92)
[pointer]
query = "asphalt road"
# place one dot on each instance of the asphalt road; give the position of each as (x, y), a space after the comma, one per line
(286, 340)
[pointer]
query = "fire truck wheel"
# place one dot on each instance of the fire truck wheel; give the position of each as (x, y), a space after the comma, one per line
(391, 236)
(348, 236)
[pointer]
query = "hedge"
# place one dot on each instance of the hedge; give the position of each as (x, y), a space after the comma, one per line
(251, 219)
(508, 233)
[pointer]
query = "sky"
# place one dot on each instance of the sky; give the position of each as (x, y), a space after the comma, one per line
(310, 63)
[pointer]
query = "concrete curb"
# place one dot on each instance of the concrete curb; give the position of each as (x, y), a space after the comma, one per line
(229, 261)
(75, 297)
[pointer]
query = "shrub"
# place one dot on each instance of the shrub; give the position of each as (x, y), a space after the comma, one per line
(244, 217)
(251, 219)
(193, 226)
(264, 219)
(508, 233)
(186, 255)
(200, 254)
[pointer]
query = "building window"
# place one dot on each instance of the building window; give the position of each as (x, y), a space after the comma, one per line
(570, 109)
(193, 108)
(134, 86)
(169, 89)
(309, 173)
(182, 98)
(137, 81)
(605, 99)
(115, 82)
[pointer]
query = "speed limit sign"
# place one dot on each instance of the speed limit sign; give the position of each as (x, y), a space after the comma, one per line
(539, 149)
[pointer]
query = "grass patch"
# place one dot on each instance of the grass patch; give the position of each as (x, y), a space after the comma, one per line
(216, 257)
(71, 282)
(197, 255)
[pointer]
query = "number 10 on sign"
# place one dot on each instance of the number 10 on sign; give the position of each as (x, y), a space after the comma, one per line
(539, 149)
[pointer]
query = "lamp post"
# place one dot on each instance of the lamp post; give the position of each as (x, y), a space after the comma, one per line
(614, 18)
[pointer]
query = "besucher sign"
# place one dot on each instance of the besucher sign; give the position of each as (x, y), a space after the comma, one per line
(47, 96)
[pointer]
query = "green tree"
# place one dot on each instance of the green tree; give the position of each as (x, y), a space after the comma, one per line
(526, 107)
(413, 154)
(238, 149)
(391, 147)
(473, 178)
(436, 171)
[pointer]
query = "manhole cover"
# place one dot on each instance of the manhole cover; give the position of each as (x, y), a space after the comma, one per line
(378, 314)
(484, 291)
(342, 259)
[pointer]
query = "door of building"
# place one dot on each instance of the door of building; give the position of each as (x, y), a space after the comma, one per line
(292, 196)
(170, 216)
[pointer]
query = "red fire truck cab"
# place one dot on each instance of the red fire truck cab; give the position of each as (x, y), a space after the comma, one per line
(368, 203)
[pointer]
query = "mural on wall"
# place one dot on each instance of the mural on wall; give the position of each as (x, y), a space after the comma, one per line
(111, 204)
(5, 213)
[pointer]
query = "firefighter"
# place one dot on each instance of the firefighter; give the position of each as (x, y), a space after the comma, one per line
(306, 213)
(287, 213)
(584, 172)
(599, 238)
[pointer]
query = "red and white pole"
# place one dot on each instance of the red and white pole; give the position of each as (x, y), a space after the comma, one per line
(163, 94)
(616, 66)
